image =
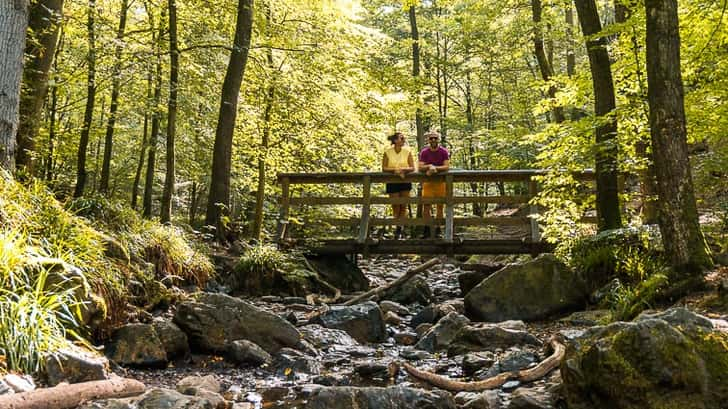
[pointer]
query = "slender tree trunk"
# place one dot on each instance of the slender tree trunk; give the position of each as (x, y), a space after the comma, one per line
(165, 213)
(608, 211)
(193, 204)
(90, 97)
(113, 107)
(265, 140)
(544, 63)
(156, 115)
(570, 56)
(143, 148)
(415, 36)
(678, 213)
(43, 24)
(53, 112)
(219, 197)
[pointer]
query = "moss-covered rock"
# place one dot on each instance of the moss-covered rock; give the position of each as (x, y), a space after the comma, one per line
(530, 291)
(647, 364)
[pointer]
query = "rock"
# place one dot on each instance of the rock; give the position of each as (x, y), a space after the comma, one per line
(296, 361)
(174, 340)
(394, 397)
(392, 318)
(412, 354)
(5, 389)
(513, 361)
(158, 398)
(340, 272)
(647, 364)
(678, 316)
(245, 352)
(423, 328)
(531, 398)
(374, 369)
(323, 338)
(405, 338)
(485, 400)
(511, 385)
(75, 365)
(530, 291)
(443, 333)
(137, 345)
(294, 300)
(488, 337)
(414, 291)
(588, 318)
(399, 309)
(213, 321)
(469, 279)
(193, 384)
(427, 315)
(19, 383)
(477, 361)
(364, 322)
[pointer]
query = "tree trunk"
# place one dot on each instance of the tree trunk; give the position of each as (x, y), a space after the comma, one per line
(165, 213)
(544, 63)
(156, 114)
(608, 212)
(53, 112)
(43, 24)
(219, 197)
(142, 149)
(113, 107)
(678, 213)
(13, 24)
(265, 140)
(570, 56)
(415, 36)
(90, 97)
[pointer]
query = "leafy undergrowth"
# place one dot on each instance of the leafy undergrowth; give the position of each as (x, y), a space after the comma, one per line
(61, 278)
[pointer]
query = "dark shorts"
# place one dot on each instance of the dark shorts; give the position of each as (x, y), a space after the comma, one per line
(398, 187)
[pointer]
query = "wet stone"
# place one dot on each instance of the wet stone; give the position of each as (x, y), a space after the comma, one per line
(394, 307)
(405, 338)
(246, 352)
(415, 354)
(381, 370)
(477, 361)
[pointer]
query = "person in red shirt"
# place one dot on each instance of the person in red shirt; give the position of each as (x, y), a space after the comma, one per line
(433, 159)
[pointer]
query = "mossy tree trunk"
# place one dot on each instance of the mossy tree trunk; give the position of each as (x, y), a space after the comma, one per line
(13, 24)
(156, 115)
(165, 213)
(678, 213)
(90, 98)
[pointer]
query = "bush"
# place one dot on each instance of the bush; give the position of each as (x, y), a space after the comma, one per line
(258, 269)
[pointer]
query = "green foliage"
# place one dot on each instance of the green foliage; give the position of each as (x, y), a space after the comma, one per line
(262, 259)
(37, 314)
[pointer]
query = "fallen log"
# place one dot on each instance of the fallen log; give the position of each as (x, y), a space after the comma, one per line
(68, 396)
(525, 375)
(376, 293)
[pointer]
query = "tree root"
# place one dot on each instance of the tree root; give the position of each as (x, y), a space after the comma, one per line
(525, 375)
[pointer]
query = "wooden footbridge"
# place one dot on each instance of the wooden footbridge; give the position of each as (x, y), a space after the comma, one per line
(356, 219)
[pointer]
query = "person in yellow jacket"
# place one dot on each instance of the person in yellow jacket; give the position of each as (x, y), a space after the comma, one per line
(398, 159)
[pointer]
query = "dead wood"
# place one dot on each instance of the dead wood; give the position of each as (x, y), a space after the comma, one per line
(376, 293)
(68, 396)
(525, 375)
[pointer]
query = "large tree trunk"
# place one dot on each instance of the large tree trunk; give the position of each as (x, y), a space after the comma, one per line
(219, 197)
(13, 24)
(678, 213)
(608, 211)
(114, 106)
(156, 115)
(544, 63)
(415, 36)
(90, 97)
(165, 213)
(43, 24)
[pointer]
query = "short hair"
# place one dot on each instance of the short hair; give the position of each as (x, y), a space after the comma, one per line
(393, 137)
(432, 133)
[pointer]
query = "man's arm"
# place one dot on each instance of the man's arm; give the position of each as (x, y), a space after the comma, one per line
(444, 167)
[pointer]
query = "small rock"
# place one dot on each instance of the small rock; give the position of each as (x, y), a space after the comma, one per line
(513, 361)
(296, 361)
(510, 385)
(192, 384)
(392, 318)
(381, 370)
(443, 333)
(405, 338)
(173, 339)
(364, 322)
(423, 328)
(5, 389)
(137, 345)
(530, 398)
(246, 352)
(476, 361)
(75, 365)
(485, 400)
(294, 300)
(271, 299)
(394, 307)
(19, 383)
(415, 354)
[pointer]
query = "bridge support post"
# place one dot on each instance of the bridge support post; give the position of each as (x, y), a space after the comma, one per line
(533, 211)
(283, 215)
(364, 224)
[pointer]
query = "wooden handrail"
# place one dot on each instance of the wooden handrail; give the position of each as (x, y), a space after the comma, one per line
(457, 175)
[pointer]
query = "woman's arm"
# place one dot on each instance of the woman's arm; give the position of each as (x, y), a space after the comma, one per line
(385, 165)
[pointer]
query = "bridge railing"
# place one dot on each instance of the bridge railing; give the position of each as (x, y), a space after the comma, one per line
(291, 182)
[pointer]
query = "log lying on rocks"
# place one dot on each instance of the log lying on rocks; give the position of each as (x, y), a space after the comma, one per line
(525, 375)
(376, 293)
(68, 396)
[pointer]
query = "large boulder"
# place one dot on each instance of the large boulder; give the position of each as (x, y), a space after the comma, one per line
(213, 321)
(172, 337)
(364, 322)
(73, 365)
(137, 345)
(395, 397)
(340, 272)
(648, 364)
(530, 291)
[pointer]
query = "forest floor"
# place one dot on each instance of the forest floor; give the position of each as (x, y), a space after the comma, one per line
(270, 388)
